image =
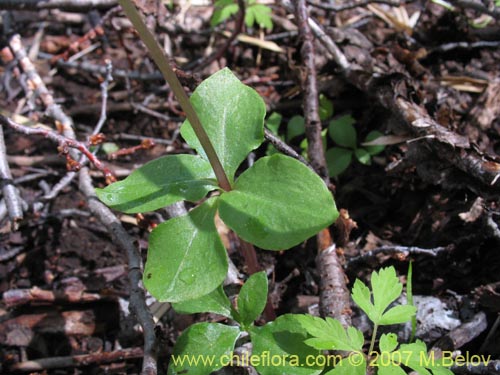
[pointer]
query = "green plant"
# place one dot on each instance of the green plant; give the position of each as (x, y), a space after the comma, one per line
(298, 340)
(255, 13)
(328, 334)
(275, 204)
(341, 131)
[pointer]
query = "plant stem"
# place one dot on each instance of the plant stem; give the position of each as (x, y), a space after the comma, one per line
(160, 58)
(374, 335)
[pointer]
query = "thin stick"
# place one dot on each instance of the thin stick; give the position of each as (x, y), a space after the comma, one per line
(405, 250)
(10, 193)
(350, 5)
(160, 58)
(78, 6)
(310, 87)
(77, 360)
(61, 140)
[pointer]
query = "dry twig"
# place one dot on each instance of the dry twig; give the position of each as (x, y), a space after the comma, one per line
(334, 295)
(77, 360)
(10, 193)
(78, 6)
(350, 5)
(104, 214)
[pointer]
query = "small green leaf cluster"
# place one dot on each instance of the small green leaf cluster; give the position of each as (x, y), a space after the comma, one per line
(341, 131)
(275, 204)
(255, 13)
(207, 347)
(294, 343)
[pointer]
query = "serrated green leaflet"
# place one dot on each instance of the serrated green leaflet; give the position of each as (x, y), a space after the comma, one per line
(232, 115)
(277, 203)
(186, 258)
(201, 348)
(386, 288)
(398, 314)
(329, 334)
(282, 342)
(215, 302)
(252, 298)
(354, 364)
(161, 182)
(415, 356)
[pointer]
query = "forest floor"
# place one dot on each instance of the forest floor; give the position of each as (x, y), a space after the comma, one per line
(423, 75)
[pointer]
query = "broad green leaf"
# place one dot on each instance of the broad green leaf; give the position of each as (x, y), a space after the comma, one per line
(363, 156)
(342, 132)
(295, 127)
(388, 342)
(252, 298)
(277, 203)
(203, 348)
(186, 258)
(354, 364)
(160, 182)
(325, 108)
(398, 314)
(329, 332)
(215, 302)
(373, 150)
(232, 115)
(273, 122)
(338, 159)
(278, 348)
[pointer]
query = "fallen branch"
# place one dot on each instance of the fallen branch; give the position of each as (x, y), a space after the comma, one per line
(351, 5)
(74, 5)
(334, 296)
(404, 250)
(10, 192)
(78, 360)
(37, 296)
(310, 89)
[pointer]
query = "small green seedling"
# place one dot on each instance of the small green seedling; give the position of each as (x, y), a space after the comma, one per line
(255, 13)
(341, 131)
(294, 344)
(276, 204)
(392, 358)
